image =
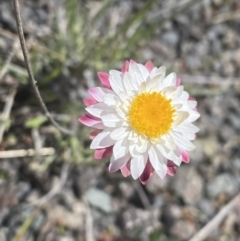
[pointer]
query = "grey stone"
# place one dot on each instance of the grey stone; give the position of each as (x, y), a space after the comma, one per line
(171, 38)
(206, 207)
(188, 184)
(99, 199)
(183, 230)
(193, 62)
(222, 184)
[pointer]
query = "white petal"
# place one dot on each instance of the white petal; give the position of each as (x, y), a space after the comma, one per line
(158, 72)
(156, 80)
(131, 82)
(186, 128)
(180, 117)
(98, 93)
(192, 104)
(177, 94)
(153, 72)
(170, 80)
(137, 165)
(110, 99)
(116, 164)
(193, 115)
(144, 72)
(111, 120)
(122, 110)
(168, 141)
(97, 109)
(158, 162)
(121, 148)
(138, 73)
(102, 140)
(132, 149)
(182, 142)
(115, 79)
(175, 156)
(184, 96)
(142, 144)
(119, 133)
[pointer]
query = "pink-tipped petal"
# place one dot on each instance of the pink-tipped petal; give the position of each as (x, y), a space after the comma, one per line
(94, 133)
(117, 164)
(185, 156)
(104, 78)
(89, 101)
(149, 65)
(126, 170)
(102, 153)
(98, 93)
(90, 120)
(132, 61)
(191, 98)
(125, 67)
(178, 81)
(171, 168)
(147, 173)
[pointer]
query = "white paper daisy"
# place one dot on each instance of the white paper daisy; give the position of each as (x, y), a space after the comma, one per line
(142, 119)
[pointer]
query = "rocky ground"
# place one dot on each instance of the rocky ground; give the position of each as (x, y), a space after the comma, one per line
(58, 198)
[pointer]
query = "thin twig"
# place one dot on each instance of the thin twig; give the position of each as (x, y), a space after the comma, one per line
(215, 222)
(23, 153)
(89, 222)
(2, 233)
(142, 195)
(30, 72)
(56, 188)
(9, 59)
(38, 143)
(227, 16)
(6, 112)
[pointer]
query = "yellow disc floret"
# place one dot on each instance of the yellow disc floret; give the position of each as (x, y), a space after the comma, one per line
(151, 114)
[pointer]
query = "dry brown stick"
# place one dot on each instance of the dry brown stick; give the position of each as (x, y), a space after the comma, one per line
(30, 72)
(215, 222)
(45, 151)
(6, 112)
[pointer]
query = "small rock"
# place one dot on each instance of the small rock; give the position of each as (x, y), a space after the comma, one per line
(210, 146)
(99, 199)
(193, 61)
(188, 184)
(171, 38)
(66, 218)
(228, 69)
(183, 230)
(222, 184)
(170, 214)
(206, 207)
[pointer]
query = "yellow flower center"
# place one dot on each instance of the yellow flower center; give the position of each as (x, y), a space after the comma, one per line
(151, 114)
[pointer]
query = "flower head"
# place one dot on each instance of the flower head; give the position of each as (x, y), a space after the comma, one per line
(142, 119)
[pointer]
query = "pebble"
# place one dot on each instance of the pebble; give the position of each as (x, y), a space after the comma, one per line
(222, 184)
(184, 230)
(188, 184)
(99, 199)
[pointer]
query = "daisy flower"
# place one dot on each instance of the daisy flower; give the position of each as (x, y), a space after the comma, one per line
(142, 119)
